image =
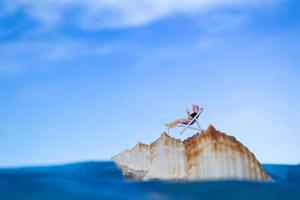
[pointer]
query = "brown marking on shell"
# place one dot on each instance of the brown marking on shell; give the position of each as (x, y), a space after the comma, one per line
(219, 142)
(210, 140)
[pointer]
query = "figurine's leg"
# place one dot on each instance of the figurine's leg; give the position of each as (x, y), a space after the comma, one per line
(174, 123)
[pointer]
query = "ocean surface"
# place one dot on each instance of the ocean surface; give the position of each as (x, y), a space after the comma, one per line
(102, 180)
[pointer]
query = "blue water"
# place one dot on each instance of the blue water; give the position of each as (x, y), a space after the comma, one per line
(102, 180)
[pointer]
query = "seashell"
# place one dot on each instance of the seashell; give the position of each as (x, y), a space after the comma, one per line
(209, 155)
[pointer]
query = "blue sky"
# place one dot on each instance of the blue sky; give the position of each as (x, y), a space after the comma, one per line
(83, 80)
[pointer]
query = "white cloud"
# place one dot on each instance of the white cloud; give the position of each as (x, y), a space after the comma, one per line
(18, 56)
(101, 14)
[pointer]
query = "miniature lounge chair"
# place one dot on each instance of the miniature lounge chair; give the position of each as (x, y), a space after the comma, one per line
(189, 125)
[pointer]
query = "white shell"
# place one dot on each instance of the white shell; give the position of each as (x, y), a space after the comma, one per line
(210, 155)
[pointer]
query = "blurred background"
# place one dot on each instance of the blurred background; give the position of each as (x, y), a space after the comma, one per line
(85, 79)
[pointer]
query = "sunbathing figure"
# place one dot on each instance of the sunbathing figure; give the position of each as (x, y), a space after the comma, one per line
(190, 116)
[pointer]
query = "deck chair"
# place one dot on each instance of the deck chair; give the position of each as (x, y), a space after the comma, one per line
(189, 125)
